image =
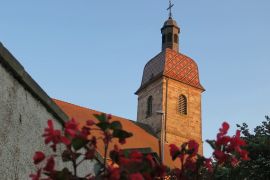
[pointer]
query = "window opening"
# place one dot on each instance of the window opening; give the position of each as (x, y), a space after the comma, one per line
(182, 106)
(149, 106)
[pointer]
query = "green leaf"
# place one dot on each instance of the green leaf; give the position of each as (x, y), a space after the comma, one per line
(103, 125)
(114, 156)
(101, 117)
(78, 143)
(66, 156)
(200, 160)
(212, 143)
(65, 174)
(178, 153)
(121, 134)
(126, 153)
(116, 125)
(97, 168)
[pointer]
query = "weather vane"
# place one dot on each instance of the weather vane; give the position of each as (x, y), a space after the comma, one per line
(170, 8)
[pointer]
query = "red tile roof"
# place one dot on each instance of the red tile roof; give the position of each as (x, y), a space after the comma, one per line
(140, 138)
(174, 65)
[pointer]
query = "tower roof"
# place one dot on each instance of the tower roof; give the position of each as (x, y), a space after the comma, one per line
(170, 22)
(174, 65)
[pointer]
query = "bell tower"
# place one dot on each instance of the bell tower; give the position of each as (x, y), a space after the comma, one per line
(169, 97)
(170, 35)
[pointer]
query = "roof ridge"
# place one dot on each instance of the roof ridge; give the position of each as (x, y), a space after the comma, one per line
(77, 105)
(115, 116)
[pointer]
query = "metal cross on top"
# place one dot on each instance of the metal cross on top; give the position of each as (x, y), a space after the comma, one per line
(170, 8)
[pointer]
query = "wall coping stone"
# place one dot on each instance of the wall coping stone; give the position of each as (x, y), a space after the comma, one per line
(17, 70)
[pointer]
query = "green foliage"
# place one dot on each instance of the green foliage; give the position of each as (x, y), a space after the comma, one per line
(101, 117)
(258, 146)
(115, 126)
(78, 143)
(234, 157)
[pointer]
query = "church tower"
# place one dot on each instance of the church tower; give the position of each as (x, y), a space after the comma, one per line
(169, 97)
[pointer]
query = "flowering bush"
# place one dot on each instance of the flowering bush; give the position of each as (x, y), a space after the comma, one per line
(227, 152)
(80, 145)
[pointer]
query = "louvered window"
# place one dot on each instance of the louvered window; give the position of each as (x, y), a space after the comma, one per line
(149, 106)
(182, 105)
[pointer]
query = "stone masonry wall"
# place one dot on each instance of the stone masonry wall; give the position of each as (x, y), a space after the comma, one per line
(181, 128)
(154, 90)
(178, 128)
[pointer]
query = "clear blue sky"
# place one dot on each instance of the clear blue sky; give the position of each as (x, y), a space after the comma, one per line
(92, 52)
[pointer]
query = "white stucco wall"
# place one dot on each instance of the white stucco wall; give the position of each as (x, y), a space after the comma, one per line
(22, 121)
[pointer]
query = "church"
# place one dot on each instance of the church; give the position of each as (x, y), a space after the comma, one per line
(168, 111)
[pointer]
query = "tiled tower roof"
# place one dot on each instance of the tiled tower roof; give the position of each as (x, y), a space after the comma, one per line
(172, 64)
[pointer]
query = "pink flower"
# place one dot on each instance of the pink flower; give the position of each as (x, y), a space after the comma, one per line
(150, 160)
(54, 136)
(38, 157)
(65, 140)
(136, 176)
(114, 173)
(136, 155)
(190, 164)
(85, 132)
(90, 153)
(225, 127)
(234, 162)
(223, 130)
(244, 155)
(194, 146)
(71, 128)
(173, 150)
(220, 156)
(50, 165)
(223, 140)
(237, 142)
(208, 165)
(94, 141)
(109, 116)
(90, 122)
(36, 176)
(147, 176)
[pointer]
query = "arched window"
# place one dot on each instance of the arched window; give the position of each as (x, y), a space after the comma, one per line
(169, 37)
(182, 104)
(163, 39)
(149, 106)
(175, 38)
